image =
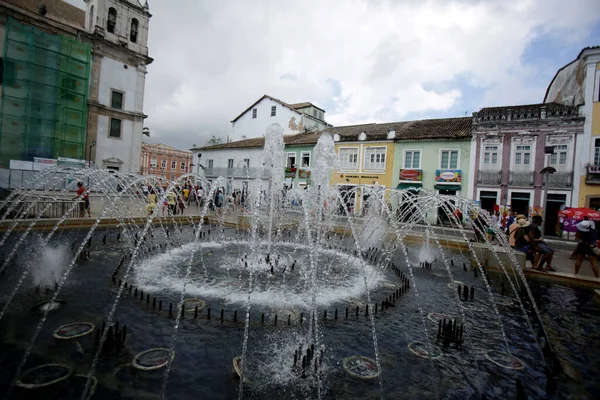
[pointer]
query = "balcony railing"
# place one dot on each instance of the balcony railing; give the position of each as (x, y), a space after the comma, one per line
(521, 178)
(489, 177)
(560, 180)
(241, 173)
(592, 175)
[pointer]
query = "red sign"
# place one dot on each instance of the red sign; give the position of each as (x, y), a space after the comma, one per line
(412, 175)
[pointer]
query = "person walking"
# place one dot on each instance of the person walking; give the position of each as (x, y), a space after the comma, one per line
(587, 246)
(172, 205)
(151, 201)
(84, 200)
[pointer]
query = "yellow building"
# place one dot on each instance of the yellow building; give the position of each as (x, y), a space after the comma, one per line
(578, 84)
(366, 155)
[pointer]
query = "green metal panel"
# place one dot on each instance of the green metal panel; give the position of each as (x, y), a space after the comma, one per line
(44, 95)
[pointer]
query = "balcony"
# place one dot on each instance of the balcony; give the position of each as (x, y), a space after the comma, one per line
(240, 173)
(561, 180)
(521, 178)
(489, 177)
(592, 176)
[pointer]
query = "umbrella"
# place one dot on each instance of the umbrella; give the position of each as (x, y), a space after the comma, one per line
(578, 214)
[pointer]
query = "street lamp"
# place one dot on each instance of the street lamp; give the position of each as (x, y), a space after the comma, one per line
(92, 145)
(546, 171)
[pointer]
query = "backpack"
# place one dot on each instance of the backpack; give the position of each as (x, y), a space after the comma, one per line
(521, 234)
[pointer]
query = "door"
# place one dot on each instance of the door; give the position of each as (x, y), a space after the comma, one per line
(553, 203)
(519, 203)
(488, 201)
(443, 218)
(347, 194)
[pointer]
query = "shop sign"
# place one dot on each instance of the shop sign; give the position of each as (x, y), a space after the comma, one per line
(304, 174)
(448, 176)
(71, 162)
(411, 175)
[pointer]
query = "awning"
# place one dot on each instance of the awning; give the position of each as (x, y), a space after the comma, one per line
(520, 196)
(448, 187)
(487, 196)
(414, 185)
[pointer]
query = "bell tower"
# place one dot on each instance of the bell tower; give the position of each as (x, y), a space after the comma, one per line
(123, 22)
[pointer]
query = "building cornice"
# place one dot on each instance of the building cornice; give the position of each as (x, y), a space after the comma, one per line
(96, 104)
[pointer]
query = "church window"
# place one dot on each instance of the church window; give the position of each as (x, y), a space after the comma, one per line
(112, 20)
(134, 30)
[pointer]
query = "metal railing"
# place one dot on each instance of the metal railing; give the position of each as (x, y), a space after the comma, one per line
(560, 180)
(489, 177)
(592, 175)
(33, 207)
(521, 178)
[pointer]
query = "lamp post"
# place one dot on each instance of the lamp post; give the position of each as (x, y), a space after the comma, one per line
(546, 171)
(92, 145)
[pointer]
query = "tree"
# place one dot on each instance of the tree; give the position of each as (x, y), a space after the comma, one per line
(214, 140)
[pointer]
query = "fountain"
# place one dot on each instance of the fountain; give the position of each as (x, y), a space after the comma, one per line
(295, 298)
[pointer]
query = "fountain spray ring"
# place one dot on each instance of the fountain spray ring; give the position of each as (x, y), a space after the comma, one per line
(74, 330)
(48, 305)
(436, 317)
(419, 349)
(153, 359)
(191, 304)
(503, 360)
(44, 375)
(361, 367)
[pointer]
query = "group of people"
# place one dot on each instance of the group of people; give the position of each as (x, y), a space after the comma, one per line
(174, 200)
(526, 237)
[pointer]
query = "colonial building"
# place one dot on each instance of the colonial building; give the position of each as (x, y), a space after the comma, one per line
(294, 118)
(166, 161)
(510, 147)
(366, 157)
(433, 154)
(242, 160)
(73, 81)
(578, 84)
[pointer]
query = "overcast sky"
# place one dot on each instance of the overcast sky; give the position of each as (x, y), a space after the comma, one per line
(360, 60)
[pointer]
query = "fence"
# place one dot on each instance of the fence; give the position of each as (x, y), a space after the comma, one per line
(32, 208)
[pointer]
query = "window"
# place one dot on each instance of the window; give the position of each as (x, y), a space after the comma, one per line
(115, 128)
(182, 166)
(173, 177)
(163, 164)
(449, 159)
(210, 164)
(116, 99)
(375, 158)
(349, 158)
(246, 163)
(321, 116)
(522, 154)
(559, 157)
(412, 159)
(67, 87)
(291, 160)
(230, 163)
(111, 22)
(490, 155)
(597, 152)
(315, 113)
(254, 112)
(133, 34)
(7, 72)
(273, 111)
(305, 159)
(173, 164)
(91, 18)
(153, 162)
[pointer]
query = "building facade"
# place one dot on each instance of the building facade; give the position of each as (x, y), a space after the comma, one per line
(433, 155)
(73, 81)
(510, 147)
(166, 161)
(294, 118)
(578, 84)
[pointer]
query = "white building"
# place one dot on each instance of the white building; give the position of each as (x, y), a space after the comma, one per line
(116, 99)
(294, 118)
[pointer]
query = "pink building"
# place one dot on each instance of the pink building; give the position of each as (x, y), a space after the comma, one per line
(166, 161)
(512, 144)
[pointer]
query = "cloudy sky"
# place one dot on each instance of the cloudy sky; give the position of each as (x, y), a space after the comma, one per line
(361, 60)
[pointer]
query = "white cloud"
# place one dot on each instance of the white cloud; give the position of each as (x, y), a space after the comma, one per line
(214, 58)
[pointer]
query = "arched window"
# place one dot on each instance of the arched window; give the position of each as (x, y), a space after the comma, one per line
(91, 18)
(134, 30)
(112, 20)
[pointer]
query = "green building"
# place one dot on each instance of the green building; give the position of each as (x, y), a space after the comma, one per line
(44, 95)
(299, 153)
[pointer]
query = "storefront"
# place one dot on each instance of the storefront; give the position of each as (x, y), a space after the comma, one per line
(448, 183)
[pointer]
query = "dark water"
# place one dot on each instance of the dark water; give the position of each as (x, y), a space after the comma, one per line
(202, 367)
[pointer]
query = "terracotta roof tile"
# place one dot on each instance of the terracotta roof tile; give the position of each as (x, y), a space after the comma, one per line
(58, 10)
